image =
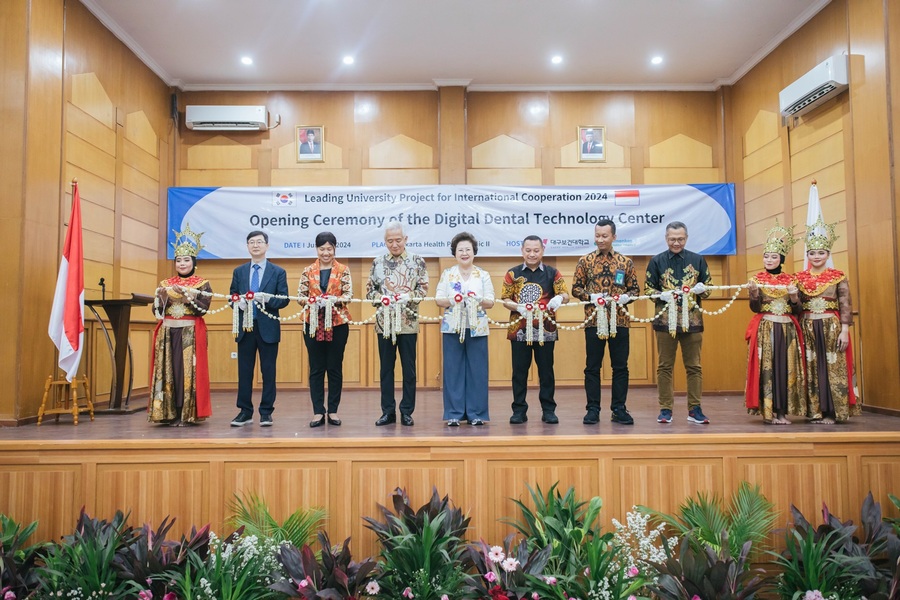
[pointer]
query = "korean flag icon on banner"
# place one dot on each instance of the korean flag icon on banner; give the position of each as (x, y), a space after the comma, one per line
(283, 199)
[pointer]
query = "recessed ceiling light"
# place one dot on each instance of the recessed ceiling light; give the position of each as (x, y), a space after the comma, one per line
(348, 60)
(656, 60)
(246, 60)
(556, 59)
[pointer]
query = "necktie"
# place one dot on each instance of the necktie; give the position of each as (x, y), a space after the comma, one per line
(254, 279)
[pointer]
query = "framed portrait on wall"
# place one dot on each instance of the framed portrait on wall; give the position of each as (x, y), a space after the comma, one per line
(592, 143)
(310, 143)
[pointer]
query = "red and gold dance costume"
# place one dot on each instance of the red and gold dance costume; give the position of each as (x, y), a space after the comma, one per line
(776, 382)
(179, 373)
(827, 306)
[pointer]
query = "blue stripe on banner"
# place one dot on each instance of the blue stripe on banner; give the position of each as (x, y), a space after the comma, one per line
(723, 194)
(181, 199)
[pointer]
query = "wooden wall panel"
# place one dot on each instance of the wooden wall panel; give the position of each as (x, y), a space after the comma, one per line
(664, 483)
(803, 480)
(513, 475)
(154, 490)
(880, 475)
(60, 485)
(285, 486)
(13, 97)
(374, 482)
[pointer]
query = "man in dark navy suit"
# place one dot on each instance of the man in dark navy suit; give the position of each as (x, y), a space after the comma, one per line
(264, 279)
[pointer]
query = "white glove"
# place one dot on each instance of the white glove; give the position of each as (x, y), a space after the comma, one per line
(698, 288)
(242, 303)
(320, 301)
(261, 297)
(404, 298)
(595, 297)
(555, 303)
(665, 297)
(624, 299)
(387, 300)
(521, 309)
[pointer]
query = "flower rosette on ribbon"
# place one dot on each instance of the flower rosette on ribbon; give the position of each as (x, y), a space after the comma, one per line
(685, 308)
(673, 315)
(613, 315)
(456, 317)
(248, 312)
(602, 319)
(235, 314)
(542, 309)
(312, 322)
(386, 321)
(529, 321)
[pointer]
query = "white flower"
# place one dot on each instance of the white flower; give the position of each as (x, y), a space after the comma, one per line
(372, 588)
(496, 554)
(510, 564)
(831, 357)
(445, 597)
(550, 580)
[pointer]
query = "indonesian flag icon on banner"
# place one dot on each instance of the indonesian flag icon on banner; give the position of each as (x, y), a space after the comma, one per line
(67, 315)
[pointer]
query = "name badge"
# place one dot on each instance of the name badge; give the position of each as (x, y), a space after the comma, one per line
(620, 277)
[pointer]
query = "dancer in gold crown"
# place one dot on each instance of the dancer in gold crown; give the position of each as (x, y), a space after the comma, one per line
(775, 370)
(827, 316)
(179, 384)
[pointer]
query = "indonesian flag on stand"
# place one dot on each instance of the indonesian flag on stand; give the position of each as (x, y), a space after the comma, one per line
(67, 315)
(813, 214)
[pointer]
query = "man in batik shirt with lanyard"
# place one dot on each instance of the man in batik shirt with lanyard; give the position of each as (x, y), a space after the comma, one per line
(670, 274)
(527, 288)
(603, 276)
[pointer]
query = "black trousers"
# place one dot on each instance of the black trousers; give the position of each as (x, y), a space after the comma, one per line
(521, 364)
(327, 357)
(387, 353)
(249, 346)
(595, 348)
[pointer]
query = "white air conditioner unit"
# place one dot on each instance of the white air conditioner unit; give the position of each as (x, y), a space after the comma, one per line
(824, 81)
(227, 118)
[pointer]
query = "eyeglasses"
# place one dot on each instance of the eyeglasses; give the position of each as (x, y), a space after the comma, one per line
(256, 243)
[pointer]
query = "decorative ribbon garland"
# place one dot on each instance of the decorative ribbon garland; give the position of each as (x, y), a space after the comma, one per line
(605, 313)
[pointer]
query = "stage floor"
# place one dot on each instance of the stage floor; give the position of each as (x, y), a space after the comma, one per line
(360, 409)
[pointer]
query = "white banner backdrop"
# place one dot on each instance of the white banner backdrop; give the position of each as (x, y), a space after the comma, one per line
(499, 217)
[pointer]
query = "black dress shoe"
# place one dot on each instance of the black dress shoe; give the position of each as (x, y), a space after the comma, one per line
(317, 422)
(518, 418)
(591, 418)
(407, 420)
(549, 418)
(386, 419)
(334, 421)
(622, 417)
(476, 422)
(242, 419)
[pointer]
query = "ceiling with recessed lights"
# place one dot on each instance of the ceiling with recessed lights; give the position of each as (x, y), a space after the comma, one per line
(485, 44)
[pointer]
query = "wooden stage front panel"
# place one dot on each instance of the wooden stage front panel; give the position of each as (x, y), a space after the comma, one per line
(193, 479)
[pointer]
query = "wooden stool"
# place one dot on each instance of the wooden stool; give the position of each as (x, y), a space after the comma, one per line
(65, 398)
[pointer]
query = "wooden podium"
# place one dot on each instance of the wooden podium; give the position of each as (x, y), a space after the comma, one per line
(119, 314)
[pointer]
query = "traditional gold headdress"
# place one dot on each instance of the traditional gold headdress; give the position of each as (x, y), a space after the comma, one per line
(187, 242)
(820, 236)
(780, 239)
